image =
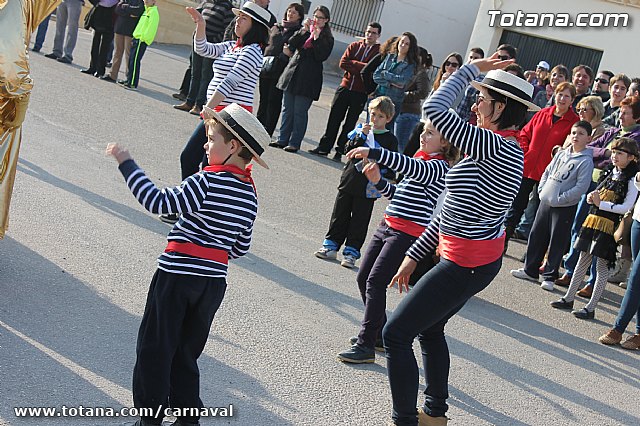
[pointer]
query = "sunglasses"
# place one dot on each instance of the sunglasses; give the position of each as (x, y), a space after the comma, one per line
(503, 57)
(602, 80)
(451, 64)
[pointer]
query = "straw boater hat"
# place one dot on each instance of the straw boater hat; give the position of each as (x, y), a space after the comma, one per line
(509, 85)
(245, 127)
(257, 13)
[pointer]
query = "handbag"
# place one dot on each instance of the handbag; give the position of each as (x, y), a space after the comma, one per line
(622, 235)
(89, 17)
(270, 67)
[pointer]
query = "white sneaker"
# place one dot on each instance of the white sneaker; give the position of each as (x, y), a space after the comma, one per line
(520, 273)
(325, 253)
(348, 261)
(547, 285)
(623, 285)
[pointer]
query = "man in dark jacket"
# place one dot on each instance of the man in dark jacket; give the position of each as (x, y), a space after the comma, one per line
(217, 14)
(351, 96)
(128, 13)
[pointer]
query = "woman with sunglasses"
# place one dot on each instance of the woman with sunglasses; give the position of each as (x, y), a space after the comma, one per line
(448, 67)
(468, 232)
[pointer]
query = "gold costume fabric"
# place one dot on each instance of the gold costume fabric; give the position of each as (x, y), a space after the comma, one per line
(18, 19)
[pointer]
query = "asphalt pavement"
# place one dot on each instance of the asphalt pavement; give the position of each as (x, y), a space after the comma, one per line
(80, 252)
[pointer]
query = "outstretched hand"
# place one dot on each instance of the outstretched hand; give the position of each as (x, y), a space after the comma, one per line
(401, 278)
(195, 15)
(491, 63)
(360, 152)
(120, 153)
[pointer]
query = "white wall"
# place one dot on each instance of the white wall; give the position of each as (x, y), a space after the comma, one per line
(619, 44)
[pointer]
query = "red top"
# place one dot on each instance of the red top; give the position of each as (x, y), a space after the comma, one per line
(354, 58)
(470, 253)
(539, 136)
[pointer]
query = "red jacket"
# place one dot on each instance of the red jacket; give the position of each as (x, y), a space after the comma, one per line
(352, 61)
(539, 136)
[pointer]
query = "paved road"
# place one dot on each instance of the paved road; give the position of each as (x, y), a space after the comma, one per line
(76, 264)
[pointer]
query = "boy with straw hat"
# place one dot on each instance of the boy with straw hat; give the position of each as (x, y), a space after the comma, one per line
(189, 284)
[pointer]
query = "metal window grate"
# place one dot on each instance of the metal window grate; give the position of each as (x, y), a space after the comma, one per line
(352, 16)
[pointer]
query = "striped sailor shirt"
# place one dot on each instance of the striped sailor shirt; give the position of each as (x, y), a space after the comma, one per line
(217, 211)
(481, 187)
(235, 70)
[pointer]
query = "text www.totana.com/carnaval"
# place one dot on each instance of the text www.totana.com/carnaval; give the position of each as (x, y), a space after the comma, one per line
(585, 20)
(82, 411)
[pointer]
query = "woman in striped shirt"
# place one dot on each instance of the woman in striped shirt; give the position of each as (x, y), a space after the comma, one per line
(235, 75)
(468, 231)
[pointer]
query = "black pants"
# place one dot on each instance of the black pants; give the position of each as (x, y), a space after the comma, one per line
(345, 102)
(551, 229)
(193, 154)
(201, 75)
(519, 204)
(137, 51)
(173, 332)
(350, 220)
(270, 104)
(100, 47)
(384, 255)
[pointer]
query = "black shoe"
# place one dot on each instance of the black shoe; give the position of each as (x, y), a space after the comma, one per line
(130, 87)
(64, 60)
(179, 96)
(337, 157)
(123, 82)
(519, 236)
(316, 151)
(291, 149)
(109, 64)
(562, 304)
(108, 78)
(584, 314)
(169, 218)
(357, 355)
(378, 347)
(35, 49)
(51, 56)
(276, 145)
(88, 71)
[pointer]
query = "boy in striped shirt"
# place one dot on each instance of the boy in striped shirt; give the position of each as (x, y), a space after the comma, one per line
(217, 208)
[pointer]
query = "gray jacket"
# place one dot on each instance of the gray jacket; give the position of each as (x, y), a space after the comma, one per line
(566, 178)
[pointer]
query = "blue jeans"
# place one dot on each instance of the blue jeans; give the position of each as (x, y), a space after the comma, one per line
(581, 214)
(41, 34)
(529, 215)
(294, 119)
(201, 75)
(424, 312)
(67, 18)
(193, 152)
(630, 305)
(405, 123)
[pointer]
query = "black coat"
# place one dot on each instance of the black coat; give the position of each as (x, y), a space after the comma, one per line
(278, 36)
(128, 14)
(102, 19)
(303, 74)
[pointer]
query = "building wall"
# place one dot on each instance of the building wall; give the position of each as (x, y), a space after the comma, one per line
(616, 43)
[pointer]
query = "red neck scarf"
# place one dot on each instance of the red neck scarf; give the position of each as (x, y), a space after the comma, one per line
(246, 173)
(426, 156)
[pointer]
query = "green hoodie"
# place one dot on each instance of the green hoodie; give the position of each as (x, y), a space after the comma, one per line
(147, 25)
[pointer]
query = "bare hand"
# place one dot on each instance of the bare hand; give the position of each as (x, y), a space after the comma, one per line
(195, 15)
(307, 24)
(372, 171)
(366, 128)
(404, 273)
(595, 198)
(287, 51)
(120, 153)
(316, 32)
(491, 63)
(361, 152)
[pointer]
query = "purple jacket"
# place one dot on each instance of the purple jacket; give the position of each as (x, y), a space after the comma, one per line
(600, 160)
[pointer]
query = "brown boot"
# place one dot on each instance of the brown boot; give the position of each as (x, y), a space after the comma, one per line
(612, 337)
(185, 106)
(563, 281)
(632, 342)
(426, 420)
(196, 110)
(586, 291)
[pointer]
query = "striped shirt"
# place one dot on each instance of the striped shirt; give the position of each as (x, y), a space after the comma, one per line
(217, 15)
(235, 71)
(217, 210)
(416, 196)
(481, 187)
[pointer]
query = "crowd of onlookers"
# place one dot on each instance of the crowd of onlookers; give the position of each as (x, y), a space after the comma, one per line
(580, 147)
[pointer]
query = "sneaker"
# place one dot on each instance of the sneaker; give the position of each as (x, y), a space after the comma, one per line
(51, 56)
(632, 342)
(547, 285)
(348, 261)
(379, 346)
(612, 337)
(586, 291)
(426, 420)
(521, 274)
(169, 218)
(621, 271)
(357, 355)
(623, 285)
(562, 304)
(123, 81)
(130, 87)
(108, 78)
(563, 281)
(584, 314)
(326, 253)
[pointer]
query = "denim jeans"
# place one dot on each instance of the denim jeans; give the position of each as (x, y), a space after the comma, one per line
(573, 256)
(424, 312)
(294, 119)
(193, 152)
(630, 305)
(405, 123)
(41, 34)
(201, 75)
(67, 17)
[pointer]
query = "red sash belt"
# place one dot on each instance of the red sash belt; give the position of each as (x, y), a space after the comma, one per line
(195, 250)
(471, 253)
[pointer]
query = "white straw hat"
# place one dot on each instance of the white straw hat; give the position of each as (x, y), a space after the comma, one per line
(510, 86)
(257, 13)
(245, 127)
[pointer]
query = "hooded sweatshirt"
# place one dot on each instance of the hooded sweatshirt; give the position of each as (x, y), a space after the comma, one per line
(566, 178)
